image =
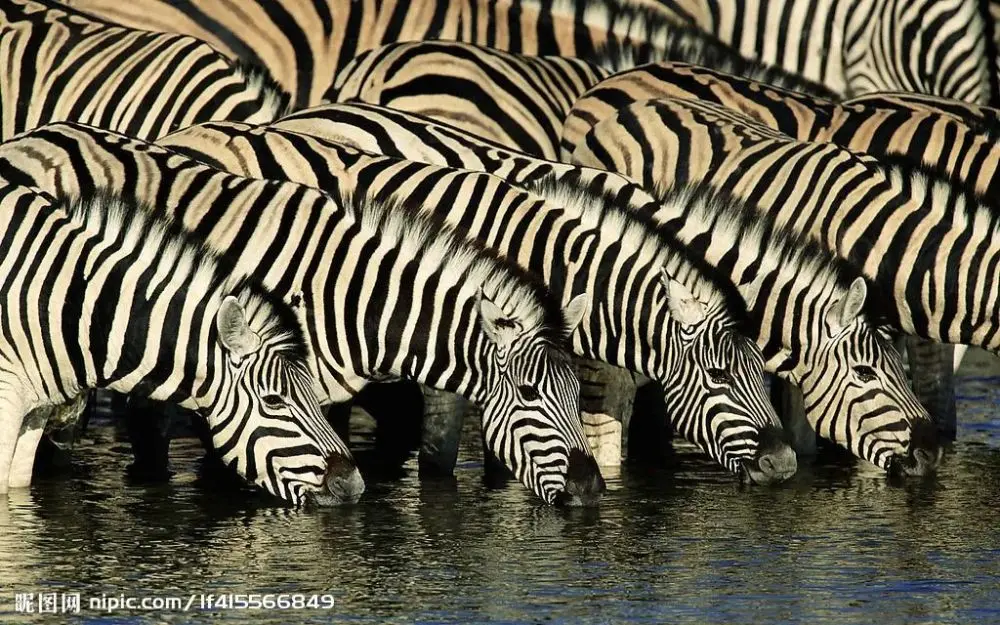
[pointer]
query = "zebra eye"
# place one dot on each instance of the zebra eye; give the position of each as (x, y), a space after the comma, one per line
(528, 393)
(720, 376)
(275, 402)
(865, 373)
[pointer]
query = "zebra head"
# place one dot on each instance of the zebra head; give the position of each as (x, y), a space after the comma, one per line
(265, 420)
(531, 406)
(715, 395)
(937, 47)
(856, 392)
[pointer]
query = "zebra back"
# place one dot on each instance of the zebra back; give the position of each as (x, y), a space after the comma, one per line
(957, 139)
(516, 100)
(62, 65)
(856, 46)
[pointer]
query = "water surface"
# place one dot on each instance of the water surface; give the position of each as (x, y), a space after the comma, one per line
(839, 544)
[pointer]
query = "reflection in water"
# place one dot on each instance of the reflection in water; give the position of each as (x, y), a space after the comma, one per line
(680, 546)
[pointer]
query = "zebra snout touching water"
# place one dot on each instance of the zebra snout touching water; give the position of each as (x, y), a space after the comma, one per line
(739, 375)
(719, 378)
(858, 394)
(530, 400)
(381, 293)
(99, 293)
(654, 311)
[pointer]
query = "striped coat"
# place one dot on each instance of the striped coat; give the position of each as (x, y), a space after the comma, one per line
(498, 341)
(62, 66)
(796, 283)
(305, 43)
(922, 239)
(100, 293)
(957, 139)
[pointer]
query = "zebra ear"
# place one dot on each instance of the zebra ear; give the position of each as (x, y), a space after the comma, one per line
(499, 328)
(681, 303)
(234, 332)
(574, 312)
(846, 310)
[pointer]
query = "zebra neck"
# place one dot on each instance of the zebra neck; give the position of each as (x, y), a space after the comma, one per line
(143, 329)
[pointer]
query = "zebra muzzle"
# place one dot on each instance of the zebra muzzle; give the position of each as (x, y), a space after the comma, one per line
(775, 460)
(584, 483)
(342, 483)
(924, 454)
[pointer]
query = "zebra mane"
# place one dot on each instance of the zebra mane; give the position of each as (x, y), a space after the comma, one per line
(803, 258)
(179, 254)
(258, 78)
(652, 240)
(663, 40)
(414, 233)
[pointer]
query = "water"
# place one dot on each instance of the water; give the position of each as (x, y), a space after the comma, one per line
(839, 544)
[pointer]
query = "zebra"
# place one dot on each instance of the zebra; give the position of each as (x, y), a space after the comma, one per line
(305, 44)
(516, 100)
(380, 296)
(954, 137)
(60, 65)
(662, 316)
(854, 47)
(921, 238)
(90, 287)
(789, 284)
(923, 129)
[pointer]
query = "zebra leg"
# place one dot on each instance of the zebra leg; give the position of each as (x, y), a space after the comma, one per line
(148, 426)
(790, 405)
(32, 428)
(932, 369)
(398, 409)
(60, 432)
(12, 415)
(960, 351)
(607, 395)
(444, 415)
(650, 432)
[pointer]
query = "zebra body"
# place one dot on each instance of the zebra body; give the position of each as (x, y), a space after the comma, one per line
(786, 288)
(518, 101)
(61, 65)
(920, 238)
(462, 320)
(305, 44)
(853, 47)
(515, 100)
(89, 291)
(925, 130)
(657, 313)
